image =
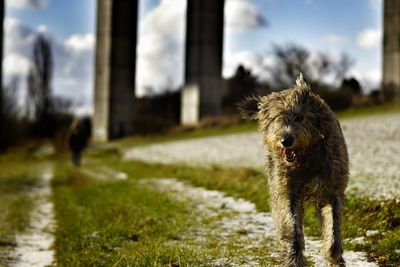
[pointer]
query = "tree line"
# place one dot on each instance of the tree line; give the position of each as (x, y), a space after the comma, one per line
(44, 114)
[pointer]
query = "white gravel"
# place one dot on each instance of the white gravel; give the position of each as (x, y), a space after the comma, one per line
(373, 144)
(233, 216)
(374, 149)
(235, 150)
(35, 245)
(103, 173)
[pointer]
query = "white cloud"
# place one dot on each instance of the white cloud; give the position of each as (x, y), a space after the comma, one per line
(17, 52)
(242, 15)
(74, 68)
(20, 4)
(18, 37)
(369, 80)
(255, 63)
(80, 42)
(369, 38)
(373, 78)
(73, 62)
(160, 50)
(15, 65)
(43, 29)
(334, 39)
(82, 111)
(167, 18)
(375, 4)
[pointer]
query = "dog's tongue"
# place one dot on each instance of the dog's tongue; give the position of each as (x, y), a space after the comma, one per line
(289, 153)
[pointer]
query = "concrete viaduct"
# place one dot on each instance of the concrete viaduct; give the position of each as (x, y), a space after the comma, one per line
(391, 44)
(116, 58)
(201, 95)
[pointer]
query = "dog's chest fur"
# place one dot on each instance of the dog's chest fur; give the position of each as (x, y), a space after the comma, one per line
(308, 178)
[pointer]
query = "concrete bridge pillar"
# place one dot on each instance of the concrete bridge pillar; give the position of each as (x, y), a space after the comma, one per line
(115, 68)
(1, 43)
(202, 93)
(391, 43)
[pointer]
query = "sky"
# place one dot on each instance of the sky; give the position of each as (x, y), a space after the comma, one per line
(252, 27)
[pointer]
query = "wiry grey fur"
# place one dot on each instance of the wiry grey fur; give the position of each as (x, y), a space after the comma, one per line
(314, 168)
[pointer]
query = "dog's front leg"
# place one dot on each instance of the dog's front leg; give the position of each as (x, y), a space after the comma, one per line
(288, 212)
(331, 212)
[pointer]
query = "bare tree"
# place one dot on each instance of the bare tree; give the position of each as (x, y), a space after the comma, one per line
(242, 84)
(39, 97)
(291, 59)
(9, 121)
(39, 80)
(342, 66)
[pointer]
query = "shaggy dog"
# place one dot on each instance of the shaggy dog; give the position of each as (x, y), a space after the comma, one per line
(306, 160)
(78, 138)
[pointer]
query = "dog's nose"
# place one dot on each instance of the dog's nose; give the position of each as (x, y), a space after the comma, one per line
(287, 140)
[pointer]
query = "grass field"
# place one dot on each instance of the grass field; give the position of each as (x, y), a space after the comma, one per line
(361, 215)
(113, 222)
(17, 178)
(118, 223)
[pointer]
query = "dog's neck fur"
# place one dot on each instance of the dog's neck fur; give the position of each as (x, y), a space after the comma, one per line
(306, 171)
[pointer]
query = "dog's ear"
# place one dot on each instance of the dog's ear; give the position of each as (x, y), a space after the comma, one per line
(302, 84)
(248, 108)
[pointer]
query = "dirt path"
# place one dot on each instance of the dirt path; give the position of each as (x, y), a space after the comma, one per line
(236, 221)
(373, 143)
(35, 245)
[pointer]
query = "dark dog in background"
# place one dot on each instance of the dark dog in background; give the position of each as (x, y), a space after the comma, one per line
(78, 138)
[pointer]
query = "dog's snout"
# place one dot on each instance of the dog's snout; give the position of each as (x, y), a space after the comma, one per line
(287, 140)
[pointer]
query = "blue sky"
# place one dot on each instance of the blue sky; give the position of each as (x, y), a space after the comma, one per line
(305, 22)
(334, 27)
(62, 17)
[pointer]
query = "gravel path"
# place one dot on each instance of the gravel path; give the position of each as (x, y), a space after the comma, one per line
(34, 247)
(373, 144)
(237, 221)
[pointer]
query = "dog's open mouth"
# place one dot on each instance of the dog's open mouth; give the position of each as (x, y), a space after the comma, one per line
(290, 154)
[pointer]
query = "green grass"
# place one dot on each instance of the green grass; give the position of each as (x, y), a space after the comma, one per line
(120, 223)
(115, 223)
(392, 107)
(360, 214)
(245, 183)
(16, 179)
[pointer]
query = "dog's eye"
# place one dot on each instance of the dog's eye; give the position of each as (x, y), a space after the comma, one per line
(298, 118)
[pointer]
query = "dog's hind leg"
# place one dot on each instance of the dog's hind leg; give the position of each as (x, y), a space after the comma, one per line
(331, 223)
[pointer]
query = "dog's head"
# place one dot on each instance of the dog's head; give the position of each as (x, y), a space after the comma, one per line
(291, 120)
